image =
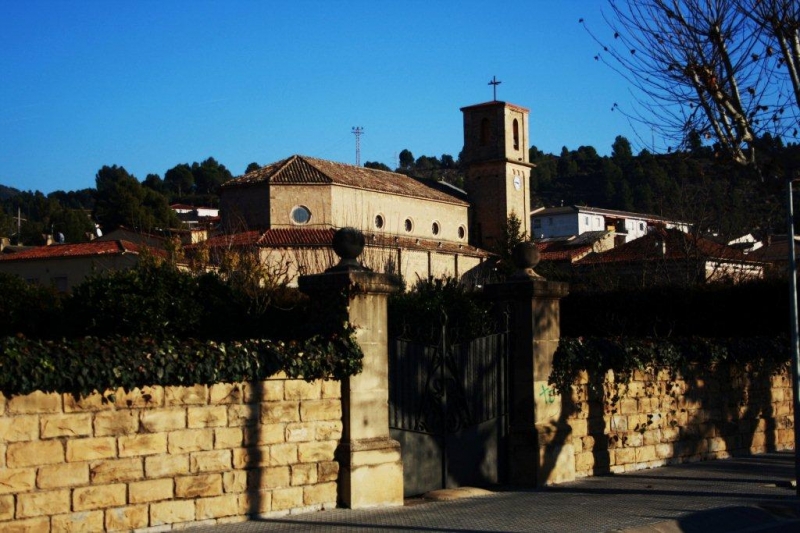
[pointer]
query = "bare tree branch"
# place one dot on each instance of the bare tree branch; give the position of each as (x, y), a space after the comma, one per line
(708, 67)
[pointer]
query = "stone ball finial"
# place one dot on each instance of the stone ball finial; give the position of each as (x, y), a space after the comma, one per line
(348, 243)
(526, 257)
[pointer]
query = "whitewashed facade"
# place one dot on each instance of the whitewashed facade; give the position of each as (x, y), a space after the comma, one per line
(575, 220)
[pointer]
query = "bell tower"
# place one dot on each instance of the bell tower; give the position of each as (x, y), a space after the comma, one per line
(498, 169)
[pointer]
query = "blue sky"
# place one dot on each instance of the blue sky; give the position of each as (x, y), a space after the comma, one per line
(150, 84)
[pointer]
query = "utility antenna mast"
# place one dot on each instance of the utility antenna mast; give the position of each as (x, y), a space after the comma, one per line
(358, 131)
(20, 220)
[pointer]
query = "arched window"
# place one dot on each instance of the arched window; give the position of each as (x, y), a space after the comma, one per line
(516, 135)
(484, 131)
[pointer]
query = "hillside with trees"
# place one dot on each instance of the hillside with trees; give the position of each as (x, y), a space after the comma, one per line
(118, 199)
(697, 185)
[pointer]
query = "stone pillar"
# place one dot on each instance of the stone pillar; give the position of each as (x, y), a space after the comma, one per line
(540, 450)
(370, 465)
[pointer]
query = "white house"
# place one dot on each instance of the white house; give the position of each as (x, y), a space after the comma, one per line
(572, 220)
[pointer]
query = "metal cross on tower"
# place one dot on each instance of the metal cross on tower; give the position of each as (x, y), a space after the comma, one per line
(495, 82)
(357, 131)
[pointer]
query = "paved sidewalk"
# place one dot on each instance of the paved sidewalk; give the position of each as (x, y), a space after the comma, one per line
(733, 495)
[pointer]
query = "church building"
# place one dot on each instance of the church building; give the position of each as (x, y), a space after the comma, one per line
(420, 229)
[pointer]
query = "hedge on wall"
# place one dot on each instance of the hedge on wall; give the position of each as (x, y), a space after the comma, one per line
(156, 325)
(757, 308)
(154, 300)
(159, 300)
(82, 366)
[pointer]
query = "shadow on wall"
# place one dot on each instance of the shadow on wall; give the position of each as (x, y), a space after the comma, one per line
(658, 418)
(257, 460)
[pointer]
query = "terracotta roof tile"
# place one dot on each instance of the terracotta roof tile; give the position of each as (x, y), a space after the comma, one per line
(86, 249)
(302, 169)
(298, 237)
(562, 251)
(245, 238)
(776, 251)
(677, 245)
(572, 248)
(411, 243)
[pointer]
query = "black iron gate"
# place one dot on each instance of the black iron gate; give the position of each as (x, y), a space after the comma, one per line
(448, 410)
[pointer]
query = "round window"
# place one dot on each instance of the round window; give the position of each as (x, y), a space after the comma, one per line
(462, 232)
(379, 221)
(435, 228)
(408, 225)
(300, 214)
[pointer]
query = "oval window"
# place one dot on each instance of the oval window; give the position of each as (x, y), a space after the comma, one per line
(379, 221)
(409, 225)
(462, 232)
(435, 228)
(300, 214)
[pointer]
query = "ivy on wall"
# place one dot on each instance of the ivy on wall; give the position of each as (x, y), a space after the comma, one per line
(623, 355)
(82, 366)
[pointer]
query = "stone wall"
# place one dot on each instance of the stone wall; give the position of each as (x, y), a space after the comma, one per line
(656, 418)
(160, 456)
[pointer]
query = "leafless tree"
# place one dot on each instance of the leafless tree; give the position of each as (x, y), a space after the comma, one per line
(779, 21)
(723, 71)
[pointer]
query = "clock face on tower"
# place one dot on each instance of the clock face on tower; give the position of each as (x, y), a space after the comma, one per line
(517, 182)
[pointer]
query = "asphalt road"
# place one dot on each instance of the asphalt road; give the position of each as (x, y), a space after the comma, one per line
(749, 494)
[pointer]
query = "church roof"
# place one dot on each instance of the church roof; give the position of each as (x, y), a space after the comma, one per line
(323, 237)
(299, 169)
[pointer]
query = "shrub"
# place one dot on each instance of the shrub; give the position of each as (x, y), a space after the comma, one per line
(420, 313)
(156, 325)
(152, 299)
(156, 299)
(28, 309)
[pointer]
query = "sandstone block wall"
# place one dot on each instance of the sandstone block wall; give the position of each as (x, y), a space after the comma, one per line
(168, 456)
(657, 418)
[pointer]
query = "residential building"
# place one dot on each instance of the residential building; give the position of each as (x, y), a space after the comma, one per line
(668, 256)
(66, 265)
(193, 216)
(566, 221)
